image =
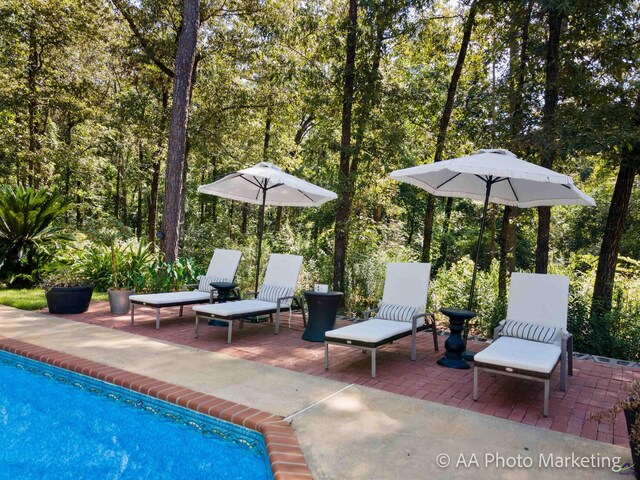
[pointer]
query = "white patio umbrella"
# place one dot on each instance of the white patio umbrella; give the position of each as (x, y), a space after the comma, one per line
(497, 176)
(266, 184)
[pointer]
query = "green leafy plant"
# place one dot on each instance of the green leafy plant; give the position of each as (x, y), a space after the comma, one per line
(121, 265)
(29, 235)
(66, 277)
(171, 276)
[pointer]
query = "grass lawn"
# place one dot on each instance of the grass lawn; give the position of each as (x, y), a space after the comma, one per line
(33, 299)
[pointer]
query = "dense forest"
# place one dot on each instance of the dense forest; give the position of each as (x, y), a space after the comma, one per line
(113, 112)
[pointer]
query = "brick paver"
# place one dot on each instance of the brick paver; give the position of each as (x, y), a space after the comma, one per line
(592, 387)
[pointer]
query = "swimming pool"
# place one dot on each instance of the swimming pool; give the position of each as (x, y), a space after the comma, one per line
(59, 424)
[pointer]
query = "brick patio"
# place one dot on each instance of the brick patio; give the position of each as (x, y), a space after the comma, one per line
(592, 387)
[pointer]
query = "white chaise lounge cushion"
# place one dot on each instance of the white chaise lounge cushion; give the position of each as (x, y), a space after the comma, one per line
(241, 307)
(371, 331)
(400, 313)
(170, 297)
(206, 281)
(530, 331)
(520, 354)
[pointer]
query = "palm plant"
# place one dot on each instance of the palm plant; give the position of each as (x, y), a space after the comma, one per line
(28, 232)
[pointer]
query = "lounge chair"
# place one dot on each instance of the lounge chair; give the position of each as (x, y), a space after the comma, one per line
(276, 294)
(222, 268)
(533, 340)
(400, 313)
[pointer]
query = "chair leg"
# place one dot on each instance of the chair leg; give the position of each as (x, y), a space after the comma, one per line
(133, 306)
(475, 384)
(278, 322)
(326, 356)
(545, 408)
(563, 371)
(304, 318)
(181, 309)
(157, 319)
(413, 346)
(570, 355)
(435, 336)
(373, 363)
(229, 330)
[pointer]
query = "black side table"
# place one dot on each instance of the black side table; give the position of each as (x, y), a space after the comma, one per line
(454, 345)
(225, 291)
(322, 308)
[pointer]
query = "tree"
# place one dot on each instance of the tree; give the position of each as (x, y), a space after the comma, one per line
(555, 18)
(174, 182)
(444, 124)
(346, 168)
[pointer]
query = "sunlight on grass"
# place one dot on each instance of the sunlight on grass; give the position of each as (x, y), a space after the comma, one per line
(33, 299)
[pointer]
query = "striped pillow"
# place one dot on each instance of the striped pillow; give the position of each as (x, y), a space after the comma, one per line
(271, 293)
(400, 313)
(205, 282)
(530, 331)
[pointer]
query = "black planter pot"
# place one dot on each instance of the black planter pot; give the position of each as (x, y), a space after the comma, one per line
(630, 417)
(69, 299)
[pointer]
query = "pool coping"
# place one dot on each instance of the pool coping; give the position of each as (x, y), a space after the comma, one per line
(283, 448)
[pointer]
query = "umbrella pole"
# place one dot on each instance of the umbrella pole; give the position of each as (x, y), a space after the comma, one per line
(260, 230)
(475, 265)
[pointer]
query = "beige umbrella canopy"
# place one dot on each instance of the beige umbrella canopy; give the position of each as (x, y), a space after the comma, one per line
(266, 184)
(497, 176)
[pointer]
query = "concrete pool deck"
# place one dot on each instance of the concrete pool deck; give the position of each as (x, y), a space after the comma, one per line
(344, 430)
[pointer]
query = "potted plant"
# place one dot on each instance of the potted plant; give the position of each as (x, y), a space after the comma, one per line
(630, 406)
(118, 297)
(68, 291)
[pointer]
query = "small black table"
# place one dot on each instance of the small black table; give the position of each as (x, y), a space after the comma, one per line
(225, 291)
(454, 345)
(322, 308)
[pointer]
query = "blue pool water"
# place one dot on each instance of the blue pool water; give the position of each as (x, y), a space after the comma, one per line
(56, 424)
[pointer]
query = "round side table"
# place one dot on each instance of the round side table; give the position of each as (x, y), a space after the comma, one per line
(454, 345)
(322, 310)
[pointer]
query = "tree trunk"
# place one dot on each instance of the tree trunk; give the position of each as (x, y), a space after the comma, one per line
(214, 200)
(32, 71)
(507, 248)
(79, 217)
(185, 58)
(245, 218)
(551, 95)
(183, 198)
(444, 125)
(344, 202)
(614, 228)
(139, 207)
(155, 176)
(507, 240)
(117, 201)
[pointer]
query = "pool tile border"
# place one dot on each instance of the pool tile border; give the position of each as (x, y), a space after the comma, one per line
(283, 448)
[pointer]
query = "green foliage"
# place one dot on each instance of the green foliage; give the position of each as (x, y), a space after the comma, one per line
(450, 289)
(29, 234)
(132, 260)
(170, 276)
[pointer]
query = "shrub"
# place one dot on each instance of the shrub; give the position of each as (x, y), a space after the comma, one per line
(29, 235)
(170, 276)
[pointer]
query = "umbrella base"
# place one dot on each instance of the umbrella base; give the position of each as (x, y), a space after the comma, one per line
(468, 355)
(454, 363)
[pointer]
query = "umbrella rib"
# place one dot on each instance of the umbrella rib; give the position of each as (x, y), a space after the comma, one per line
(513, 190)
(255, 184)
(274, 186)
(447, 181)
(311, 199)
